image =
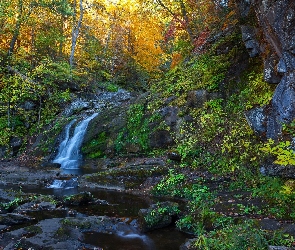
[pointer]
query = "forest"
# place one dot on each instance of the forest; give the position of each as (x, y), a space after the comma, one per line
(50, 49)
(194, 103)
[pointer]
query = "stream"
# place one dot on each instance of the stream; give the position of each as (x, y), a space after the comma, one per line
(115, 204)
(118, 205)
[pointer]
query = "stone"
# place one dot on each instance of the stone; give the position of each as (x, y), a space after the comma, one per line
(256, 118)
(150, 219)
(15, 144)
(250, 40)
(273, 169)
(244, 7)
(270, 69)
(50, 165)
(283, 101)
(197, 98)
(14, 219)
(174, 156)
(280, 248)
(3, 151)
(28, 105)
(188, 245)
(161, 139)
(287, 62)
(267, 121)
(79, 199)
(170, 114)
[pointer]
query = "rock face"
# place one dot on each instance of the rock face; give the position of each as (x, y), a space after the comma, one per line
(250, 40)
(277, 21)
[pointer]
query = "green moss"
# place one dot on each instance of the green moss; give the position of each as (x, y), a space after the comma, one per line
(76, 223)
(132, 177)
(134, 137)
(95, 148)
(34, 230)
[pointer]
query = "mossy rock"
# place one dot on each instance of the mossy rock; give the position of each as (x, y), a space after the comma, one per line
(102, 132)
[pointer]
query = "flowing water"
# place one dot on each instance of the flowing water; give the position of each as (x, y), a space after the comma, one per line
(117, 204)
(69, 155)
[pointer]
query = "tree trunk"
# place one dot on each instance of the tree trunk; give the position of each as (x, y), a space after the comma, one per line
(75, 32)
(17, 28)
(186, 19)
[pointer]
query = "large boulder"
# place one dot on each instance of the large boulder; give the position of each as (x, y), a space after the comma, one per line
(157, 216)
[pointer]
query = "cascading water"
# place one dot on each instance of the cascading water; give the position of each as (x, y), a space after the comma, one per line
(69, 155)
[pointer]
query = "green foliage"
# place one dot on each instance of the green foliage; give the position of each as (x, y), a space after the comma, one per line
(257, 92)
(49, 73)
(282, 151)
(170, 185)
(81, 224)
(242, 236)
(280, 197)
(203, 72)
(159, 211)
(95, 148)
(12, 204)
(136, 131)
(199, 215)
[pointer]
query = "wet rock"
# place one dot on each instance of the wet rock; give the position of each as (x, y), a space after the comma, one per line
(157, 216)
(28, 105)
(188, 245)
(76, 105)
(170, 115)
(154, 161)
(50, 165)
(80, 199)
(33, 206)
(3, 151)
(47, 234)
(11, 219)
(66, 234)
(64, 184)
(250, 40)
(277, 20)
(103, 130)
(283, 101)
(267, 121)
(169, 100)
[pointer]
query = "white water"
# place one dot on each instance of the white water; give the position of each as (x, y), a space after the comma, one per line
(69, 155)
(66, 184)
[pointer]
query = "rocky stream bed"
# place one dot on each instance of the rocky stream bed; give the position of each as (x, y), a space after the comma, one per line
(101, 211)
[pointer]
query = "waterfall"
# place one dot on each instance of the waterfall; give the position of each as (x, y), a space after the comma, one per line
(69, 149)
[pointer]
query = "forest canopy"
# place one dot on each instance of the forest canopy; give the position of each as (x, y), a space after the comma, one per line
(104, 34)
(50, 49)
